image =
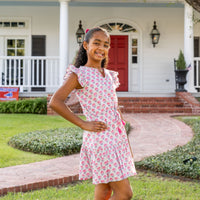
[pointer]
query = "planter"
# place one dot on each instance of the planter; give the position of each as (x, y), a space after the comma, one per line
(180, 76)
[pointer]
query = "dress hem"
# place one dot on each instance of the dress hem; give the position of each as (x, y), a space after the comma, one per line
(105, 182)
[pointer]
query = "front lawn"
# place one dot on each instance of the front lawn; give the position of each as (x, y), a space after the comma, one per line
(12, 124)
(170, 162)
(146, 186)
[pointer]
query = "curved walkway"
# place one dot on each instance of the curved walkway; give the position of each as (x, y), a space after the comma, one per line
(152, 134)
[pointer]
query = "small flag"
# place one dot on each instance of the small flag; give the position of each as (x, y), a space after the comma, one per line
(189, 67)
(10, 94)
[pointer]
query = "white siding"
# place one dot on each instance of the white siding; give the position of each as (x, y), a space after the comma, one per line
(44, 21)
(157, 63)
(157, 69)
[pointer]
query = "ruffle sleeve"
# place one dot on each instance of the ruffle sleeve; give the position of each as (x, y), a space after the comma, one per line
(78, 71)
(115, 78)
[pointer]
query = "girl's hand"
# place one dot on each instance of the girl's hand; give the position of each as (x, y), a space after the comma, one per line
(94, 126)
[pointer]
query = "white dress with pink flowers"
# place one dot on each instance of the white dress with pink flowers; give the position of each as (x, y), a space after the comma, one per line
(105, 156)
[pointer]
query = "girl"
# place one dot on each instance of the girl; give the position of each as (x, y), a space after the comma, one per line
(105, 154)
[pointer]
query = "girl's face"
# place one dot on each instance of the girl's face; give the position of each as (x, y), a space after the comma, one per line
(98, 47)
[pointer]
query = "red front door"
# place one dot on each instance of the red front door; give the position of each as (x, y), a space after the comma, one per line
(118, 59)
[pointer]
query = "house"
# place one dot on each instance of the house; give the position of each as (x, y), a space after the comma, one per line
(38, 41)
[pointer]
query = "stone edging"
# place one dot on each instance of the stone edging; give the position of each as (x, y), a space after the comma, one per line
(40, 185)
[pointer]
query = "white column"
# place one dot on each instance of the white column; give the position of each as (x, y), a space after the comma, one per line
(63, 40)
(189, 46)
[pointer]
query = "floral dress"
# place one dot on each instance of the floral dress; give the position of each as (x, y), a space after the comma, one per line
(105, 156)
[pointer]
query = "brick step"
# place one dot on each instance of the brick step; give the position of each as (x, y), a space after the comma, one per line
(148, 99)
(152, 104)
(156, 110)
(183, 103)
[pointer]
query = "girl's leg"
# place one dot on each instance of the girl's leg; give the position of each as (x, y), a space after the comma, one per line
(121, 190)
(102, 192)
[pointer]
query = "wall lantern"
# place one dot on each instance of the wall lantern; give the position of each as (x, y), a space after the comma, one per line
(155, 35)
(80, 34)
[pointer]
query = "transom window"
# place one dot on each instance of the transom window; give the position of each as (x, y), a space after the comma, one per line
(12, 24)
(122, 27)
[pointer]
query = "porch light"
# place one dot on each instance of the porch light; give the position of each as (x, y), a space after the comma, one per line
(155, 35)
(80, 34)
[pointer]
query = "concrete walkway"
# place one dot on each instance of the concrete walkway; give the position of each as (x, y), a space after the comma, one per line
(152, 134)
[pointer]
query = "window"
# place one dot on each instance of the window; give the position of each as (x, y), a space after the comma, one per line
(14, 73)
(12, 24)
(125, 28)
(134, 50)
(15, 47)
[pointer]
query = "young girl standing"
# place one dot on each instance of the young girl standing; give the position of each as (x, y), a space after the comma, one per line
(105, 154)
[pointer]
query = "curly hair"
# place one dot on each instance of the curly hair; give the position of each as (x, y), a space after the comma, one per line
(81, 58)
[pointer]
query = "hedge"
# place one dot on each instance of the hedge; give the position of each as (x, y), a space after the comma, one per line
(172, 163)
(62, 141)
(34, 106)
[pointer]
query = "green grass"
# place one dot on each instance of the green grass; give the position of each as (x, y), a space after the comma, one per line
(12, 124)
(146, 186)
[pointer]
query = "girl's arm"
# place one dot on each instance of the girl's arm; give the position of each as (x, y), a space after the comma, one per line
(57, 103)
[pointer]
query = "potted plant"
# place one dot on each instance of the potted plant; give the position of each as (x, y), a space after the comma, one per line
(180, 72)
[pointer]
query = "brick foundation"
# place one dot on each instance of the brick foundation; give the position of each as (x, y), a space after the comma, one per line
(49, 110)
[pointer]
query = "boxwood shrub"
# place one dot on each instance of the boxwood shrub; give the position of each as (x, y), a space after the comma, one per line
(34, 106)
(171, 162)
(62, 141)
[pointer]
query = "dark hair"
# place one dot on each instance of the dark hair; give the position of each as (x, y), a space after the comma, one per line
(81, 58)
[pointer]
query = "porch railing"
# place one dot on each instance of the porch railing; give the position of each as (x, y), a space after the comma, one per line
(197, 73)
(30, 74)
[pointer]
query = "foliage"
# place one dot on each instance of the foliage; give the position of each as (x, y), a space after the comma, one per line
(128, 127)
(62, 141)
(146, 186)
(195, 4)
(198, 98)
(13, 124)
(59, 142)
(180, 63)
(34, 106)
(171, 162)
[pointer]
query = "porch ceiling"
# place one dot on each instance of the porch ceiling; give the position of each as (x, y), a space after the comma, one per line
(96, 3)
(103, 1)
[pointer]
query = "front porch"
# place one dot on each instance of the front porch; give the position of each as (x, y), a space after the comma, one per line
(35, 76)
(29, 44)
(40, 76)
